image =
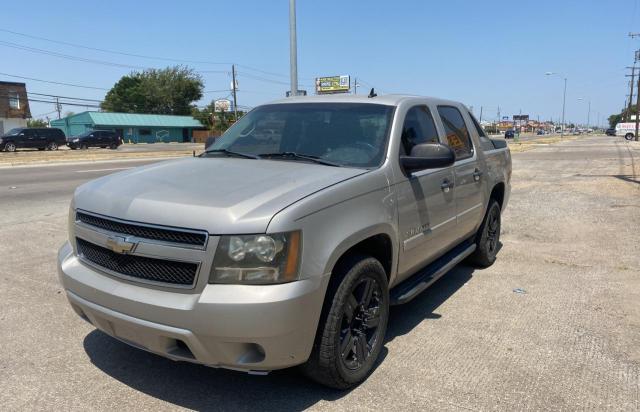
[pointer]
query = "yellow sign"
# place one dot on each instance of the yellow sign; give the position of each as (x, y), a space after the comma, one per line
(333, 84)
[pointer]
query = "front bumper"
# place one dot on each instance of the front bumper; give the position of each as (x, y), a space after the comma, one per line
(243, 327)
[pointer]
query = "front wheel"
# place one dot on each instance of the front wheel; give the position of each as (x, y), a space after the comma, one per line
(488, 237)
(52, 146)
(628, 136)
(351, 331)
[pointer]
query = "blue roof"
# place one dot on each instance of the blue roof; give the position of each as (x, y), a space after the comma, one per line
(133, 119)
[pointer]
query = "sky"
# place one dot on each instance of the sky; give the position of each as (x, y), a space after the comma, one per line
(490, 55)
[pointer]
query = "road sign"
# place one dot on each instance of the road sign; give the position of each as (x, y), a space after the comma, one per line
(333, 84)
(300, 93)
(222, 105)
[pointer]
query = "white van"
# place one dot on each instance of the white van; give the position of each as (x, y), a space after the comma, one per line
(627, 130)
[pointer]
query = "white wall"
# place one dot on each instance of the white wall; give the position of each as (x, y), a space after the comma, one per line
(8, 124)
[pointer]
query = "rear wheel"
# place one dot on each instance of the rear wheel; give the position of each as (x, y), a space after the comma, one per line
(351, 331)
(52, 146)
(628, 136)
(488, 237)
(113, 146)
(10, 147)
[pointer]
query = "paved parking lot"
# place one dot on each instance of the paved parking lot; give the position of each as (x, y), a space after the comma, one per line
(553, 325)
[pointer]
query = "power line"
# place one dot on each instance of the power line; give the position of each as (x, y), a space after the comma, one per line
(121, 53)
(114, 51)
(53, 82)
(68, 56)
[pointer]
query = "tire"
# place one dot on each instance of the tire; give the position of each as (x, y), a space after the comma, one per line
(488, 237)
(10, 147)
(113, 146)
(349, 314)
(84, 146)
(52, 146)
(628, 136)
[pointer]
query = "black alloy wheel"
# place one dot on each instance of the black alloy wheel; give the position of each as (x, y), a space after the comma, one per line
(360, 330)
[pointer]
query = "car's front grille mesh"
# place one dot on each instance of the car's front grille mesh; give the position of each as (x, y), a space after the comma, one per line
(145, 232)
(139, 267)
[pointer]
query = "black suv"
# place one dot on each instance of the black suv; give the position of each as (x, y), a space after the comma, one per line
(95, 138)
(509, 134)
(32, 138)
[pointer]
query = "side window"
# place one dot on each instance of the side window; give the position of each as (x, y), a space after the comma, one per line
(418, 128)
(485, 142)
(457, 132)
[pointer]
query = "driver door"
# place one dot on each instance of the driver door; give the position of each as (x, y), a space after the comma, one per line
(426, 202)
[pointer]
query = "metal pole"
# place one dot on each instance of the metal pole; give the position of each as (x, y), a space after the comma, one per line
(293, 48)
(355, 85)
(637, 109)
(564, 99)
(235, 99)
(589, 114)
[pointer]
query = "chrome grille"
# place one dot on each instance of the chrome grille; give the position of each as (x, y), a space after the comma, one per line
(139, 267)
(182, 237)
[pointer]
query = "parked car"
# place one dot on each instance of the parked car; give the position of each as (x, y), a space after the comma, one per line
(509, 134)
(540, 132)
(32, 138)
(610, 131)
(95, 138)
(266, 253)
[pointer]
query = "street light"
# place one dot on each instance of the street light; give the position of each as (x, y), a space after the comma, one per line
(588, 112)
(564, 99)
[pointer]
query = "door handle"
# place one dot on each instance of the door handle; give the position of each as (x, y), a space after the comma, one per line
(476, 175)
(446, 186)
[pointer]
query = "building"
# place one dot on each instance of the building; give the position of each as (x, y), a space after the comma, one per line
(14, 106)
(134, 128)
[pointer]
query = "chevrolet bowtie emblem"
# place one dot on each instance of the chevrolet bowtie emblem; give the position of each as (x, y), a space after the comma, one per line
(120, 244)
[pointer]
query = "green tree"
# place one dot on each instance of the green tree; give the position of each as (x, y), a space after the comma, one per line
(37, 123)
(157, 91)
(614, 119)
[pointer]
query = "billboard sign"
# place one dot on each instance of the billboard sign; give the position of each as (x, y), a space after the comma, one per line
(521, 117)
(333, 84)
(222, 105)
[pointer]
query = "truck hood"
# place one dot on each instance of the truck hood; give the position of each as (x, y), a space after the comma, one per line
(220, 195)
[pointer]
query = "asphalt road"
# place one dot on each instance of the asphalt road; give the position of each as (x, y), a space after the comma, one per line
(569, 341)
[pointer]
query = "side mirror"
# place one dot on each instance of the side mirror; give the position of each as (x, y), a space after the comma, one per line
(427, 156)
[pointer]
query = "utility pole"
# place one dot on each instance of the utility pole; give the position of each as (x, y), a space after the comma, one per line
(233, 85)
(480, 114)
(632, 84)
(355, 85)
(637, 110)
(589, 114)
(293, 48)
(58, 107)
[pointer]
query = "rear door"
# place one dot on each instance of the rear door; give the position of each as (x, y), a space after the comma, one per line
(426, 203)
(469, 193)
(28, 138)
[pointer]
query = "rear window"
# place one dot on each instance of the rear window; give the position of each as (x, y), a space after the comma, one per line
(456, 131)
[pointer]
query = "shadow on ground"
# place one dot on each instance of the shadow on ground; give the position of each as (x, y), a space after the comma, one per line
(202, 388)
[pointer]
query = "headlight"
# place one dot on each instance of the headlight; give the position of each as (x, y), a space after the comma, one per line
(256, 259)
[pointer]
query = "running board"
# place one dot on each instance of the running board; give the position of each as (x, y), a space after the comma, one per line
(412, 287)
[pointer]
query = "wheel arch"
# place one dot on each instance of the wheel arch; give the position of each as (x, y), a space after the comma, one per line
(497, 193)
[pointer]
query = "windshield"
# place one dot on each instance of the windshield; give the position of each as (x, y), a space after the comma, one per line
(14, 132)
(348, 134)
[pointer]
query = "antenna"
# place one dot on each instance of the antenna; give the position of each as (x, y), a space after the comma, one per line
(372, 93)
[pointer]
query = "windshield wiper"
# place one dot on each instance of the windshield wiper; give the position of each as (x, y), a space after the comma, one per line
(298, 156)
(232, 153)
